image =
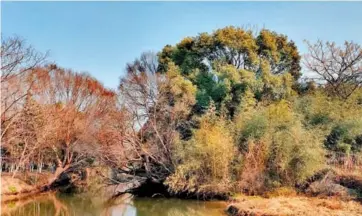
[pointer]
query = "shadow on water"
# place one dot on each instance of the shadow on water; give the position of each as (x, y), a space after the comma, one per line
(86, 205)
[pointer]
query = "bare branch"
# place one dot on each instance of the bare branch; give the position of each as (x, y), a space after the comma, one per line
(339, 67)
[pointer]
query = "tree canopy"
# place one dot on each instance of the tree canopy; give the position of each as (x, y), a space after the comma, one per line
(216, 113)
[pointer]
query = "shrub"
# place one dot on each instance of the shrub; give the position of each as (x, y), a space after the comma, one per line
(320, 119)
(253, 128)
(13, 189)
(203, 164)
(357, 143)
(344, 137)
(253, 172)
(280, 150)
(295, 155)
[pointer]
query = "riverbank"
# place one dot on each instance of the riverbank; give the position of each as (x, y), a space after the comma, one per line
(13, 185)
(296, 206)
(15, 189)
(22, 185)
(78, 204)
(332, 192)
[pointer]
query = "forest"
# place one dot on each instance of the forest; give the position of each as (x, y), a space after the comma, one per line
(214, 115)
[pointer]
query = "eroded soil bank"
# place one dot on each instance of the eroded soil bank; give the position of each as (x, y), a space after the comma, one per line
(328, 193)
(296, 206)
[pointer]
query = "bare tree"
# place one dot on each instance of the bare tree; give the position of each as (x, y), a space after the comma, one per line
(157, 106)
(340, 68)
(140, 96)
(76, 106)
(25, 136)
(117, 150)
(18, 60)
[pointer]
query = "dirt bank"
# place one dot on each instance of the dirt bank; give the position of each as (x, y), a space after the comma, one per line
(297, 206)
(22, 185)
(14, 189)
(13, 185)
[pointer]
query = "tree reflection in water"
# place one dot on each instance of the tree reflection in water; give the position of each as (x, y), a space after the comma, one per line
(83, 205)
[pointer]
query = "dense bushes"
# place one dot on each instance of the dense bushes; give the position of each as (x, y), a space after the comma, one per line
(344, 137)
(262, 149)
(267, 131)
(204, 162)
(339, 122)
(283, 152)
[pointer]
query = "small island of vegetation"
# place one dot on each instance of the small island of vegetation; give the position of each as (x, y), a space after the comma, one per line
(222, 115)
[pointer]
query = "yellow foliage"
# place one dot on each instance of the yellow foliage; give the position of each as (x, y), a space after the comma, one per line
(280, 114)
(230, 72)
(296, 154)
(185, 43)
(270, 43)
(206, 159)
(276, 86)
(277, 149)
(182, 89)
(335, 108)
(238, 39)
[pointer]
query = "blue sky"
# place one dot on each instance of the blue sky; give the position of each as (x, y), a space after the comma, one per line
(101, 37)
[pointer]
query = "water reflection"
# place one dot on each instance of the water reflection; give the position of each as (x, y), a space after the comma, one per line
(76, 205)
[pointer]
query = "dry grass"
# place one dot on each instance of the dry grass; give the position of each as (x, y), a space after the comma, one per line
(252, 178)
(282, 191)
(353, 173)
(350, 179)
(298, 206)
(13, 185)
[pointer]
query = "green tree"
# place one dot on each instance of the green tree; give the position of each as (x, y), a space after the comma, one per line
(281, 54)
(237, 47)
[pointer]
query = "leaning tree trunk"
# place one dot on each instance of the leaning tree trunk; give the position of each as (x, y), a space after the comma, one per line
(58, 172)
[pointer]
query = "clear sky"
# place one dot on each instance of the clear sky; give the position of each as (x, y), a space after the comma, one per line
(101, 37)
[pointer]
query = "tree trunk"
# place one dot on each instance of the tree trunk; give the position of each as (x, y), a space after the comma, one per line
(40, 167)
(57, 174)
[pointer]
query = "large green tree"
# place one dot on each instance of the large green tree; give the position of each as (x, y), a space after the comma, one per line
(235, 46)
(216, 63)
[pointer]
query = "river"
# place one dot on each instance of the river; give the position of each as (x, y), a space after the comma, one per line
(85, 205)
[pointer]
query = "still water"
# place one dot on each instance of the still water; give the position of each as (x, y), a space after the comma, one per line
(84, 205)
